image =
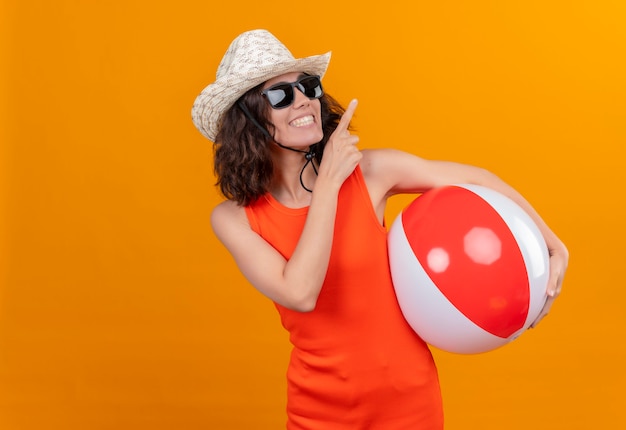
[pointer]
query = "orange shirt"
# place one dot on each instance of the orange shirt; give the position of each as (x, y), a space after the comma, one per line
(355, 363)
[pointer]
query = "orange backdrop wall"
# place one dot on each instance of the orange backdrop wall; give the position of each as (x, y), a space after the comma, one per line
(120, 310)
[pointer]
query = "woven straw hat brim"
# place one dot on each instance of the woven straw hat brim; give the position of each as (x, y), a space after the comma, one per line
(219, 96)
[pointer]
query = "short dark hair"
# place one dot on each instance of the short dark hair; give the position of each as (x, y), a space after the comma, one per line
(242, 161)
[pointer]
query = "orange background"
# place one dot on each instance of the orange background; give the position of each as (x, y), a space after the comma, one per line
(120, 310)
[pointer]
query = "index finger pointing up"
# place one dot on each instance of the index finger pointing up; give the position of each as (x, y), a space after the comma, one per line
(347, 116)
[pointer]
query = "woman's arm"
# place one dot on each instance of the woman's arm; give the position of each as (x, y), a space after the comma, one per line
(293, 283)
(389, 172)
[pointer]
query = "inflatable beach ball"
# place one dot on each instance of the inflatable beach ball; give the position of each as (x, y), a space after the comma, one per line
(469, 268)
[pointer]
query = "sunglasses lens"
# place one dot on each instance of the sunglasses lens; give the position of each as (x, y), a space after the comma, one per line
(280, 96)
(311, 87)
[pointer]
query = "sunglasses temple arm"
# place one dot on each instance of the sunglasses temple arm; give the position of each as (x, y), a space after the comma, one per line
(254, 121)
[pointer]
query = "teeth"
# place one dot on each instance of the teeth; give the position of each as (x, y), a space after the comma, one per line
(300, 122)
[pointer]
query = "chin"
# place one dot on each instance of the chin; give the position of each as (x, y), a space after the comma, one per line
(302, 140)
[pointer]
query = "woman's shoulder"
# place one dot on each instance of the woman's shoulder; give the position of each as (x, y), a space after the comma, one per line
(227, 212)
(228, 206)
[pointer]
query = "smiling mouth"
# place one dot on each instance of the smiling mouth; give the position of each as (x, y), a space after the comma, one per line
(304, 121)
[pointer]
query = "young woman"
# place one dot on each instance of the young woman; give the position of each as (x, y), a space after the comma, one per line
(303, 219)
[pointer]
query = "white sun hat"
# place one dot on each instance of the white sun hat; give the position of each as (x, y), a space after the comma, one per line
(251, 59)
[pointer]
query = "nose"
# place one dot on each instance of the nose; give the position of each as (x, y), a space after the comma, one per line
(299, 99)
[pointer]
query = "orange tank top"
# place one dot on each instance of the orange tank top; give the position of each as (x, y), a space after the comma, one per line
(355, 362)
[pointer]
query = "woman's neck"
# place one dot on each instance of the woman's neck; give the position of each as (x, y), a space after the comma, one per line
(286, 186)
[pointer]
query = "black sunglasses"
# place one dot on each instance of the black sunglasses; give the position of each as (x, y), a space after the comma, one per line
(281, 95)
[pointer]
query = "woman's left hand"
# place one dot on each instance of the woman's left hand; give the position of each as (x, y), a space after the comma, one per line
(559, 258)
